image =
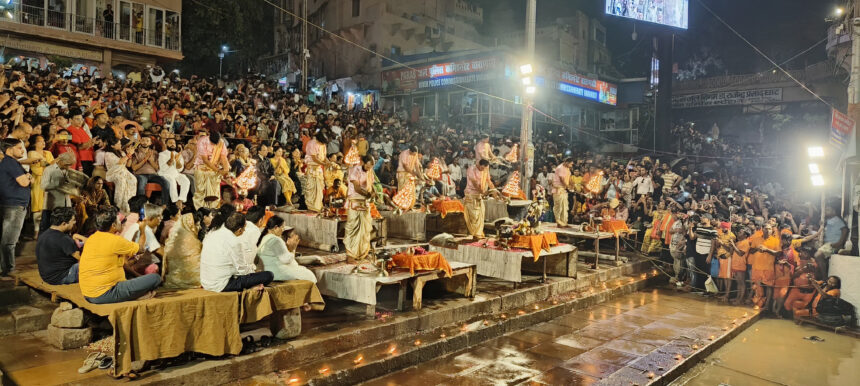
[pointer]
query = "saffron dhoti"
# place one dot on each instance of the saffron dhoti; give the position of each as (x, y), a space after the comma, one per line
(357, 232)
(313, 185)
(560, 208)
(474, 214)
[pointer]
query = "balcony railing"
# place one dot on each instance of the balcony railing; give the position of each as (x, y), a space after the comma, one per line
(165, 36)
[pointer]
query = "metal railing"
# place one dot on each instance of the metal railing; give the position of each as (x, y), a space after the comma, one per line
(814, 71)
(165, 36)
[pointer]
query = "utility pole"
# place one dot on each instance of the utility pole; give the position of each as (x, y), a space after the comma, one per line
(526, 146)
(304, 53)
(854, 114)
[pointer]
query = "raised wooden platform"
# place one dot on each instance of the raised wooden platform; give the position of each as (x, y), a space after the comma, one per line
(421, 226)
(323, 233)
(340, 282)
(509, 265)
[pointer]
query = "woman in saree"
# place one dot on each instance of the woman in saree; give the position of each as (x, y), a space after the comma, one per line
(278, 256)
(282, 175)
(182, 254)
(116, 162)
(37, 194)
(93, 196)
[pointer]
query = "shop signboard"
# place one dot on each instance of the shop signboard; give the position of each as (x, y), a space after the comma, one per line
(728, 98)
(587, 88)
(441, 74)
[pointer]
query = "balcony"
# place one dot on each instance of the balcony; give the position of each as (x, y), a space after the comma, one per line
(127, 35)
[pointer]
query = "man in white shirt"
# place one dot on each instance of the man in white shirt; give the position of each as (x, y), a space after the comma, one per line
(152, 218)
(222, 263)
(170, 166)
(253, 230)
(644, 185)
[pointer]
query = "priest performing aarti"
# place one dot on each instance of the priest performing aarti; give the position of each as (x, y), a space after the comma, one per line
(560, 186)
(359, 223)
(409, 167)
(478, 186)
(314, 182)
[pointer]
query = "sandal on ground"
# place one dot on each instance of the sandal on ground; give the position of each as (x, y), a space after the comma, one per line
(91, 363)
(105, 362)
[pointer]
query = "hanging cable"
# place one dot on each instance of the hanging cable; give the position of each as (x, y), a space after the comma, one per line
(788, 74)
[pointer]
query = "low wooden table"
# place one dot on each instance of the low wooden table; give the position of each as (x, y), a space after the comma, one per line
(338, 281)
(575, 233)
(509, 264)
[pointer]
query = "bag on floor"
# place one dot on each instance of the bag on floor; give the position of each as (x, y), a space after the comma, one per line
(835, 311)
(710, 286)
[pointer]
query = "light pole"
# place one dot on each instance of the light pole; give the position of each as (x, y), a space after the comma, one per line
(816, 153)
(224, 50)
(526, 150)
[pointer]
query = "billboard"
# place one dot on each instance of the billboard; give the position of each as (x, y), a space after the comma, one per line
(588, 88)
(441, 74)
(673, 13)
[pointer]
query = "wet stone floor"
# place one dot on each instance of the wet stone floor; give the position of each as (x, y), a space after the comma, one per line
(774, 352)
(630, 340)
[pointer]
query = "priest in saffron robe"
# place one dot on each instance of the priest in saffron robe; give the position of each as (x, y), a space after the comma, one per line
(478, 185)
(359, 224)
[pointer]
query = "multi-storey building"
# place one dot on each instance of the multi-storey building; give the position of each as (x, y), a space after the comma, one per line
(98, 33)
(365, 27)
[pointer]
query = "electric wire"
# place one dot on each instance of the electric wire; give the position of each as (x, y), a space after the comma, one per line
(760, 52)
(531, 107)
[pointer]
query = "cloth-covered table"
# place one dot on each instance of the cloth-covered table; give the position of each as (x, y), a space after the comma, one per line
(443, 207)
(178, 321)
(508, 264)
(535, 243)
(431, 261)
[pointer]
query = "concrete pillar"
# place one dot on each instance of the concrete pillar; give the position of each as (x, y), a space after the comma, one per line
(107, 63)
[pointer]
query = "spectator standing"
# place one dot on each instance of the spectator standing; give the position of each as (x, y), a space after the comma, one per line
(14, 198)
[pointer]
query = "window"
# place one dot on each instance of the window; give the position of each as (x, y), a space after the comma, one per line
(356, 8)
(395, 50)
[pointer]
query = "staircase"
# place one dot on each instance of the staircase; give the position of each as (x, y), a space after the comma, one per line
(22, 309)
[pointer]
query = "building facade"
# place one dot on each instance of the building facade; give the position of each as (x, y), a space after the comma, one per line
(483, 89)
(390, 28)
(100, 33)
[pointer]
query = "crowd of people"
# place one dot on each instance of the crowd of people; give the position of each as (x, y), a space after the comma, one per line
(173, 178)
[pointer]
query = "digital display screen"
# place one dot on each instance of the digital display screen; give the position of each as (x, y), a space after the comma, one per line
(673, 13)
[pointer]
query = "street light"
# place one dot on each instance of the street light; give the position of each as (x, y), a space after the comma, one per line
(839, 11)
(815, 152)
(224, 50)
(817, 180)
(814, 169)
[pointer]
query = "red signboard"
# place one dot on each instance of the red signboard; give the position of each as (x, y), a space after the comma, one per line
(841, 130)
(409, 79)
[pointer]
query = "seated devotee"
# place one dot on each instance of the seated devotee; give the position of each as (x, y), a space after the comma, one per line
(105, 254)
(279, 257)
(56, 252)
(336, 191)
(181, 262)
(151, 219)
(254, 223)
(222, 264)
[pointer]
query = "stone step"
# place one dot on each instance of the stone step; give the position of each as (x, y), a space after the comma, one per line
(328, 341)
(25, 318)
(12, 295)
(396, 353)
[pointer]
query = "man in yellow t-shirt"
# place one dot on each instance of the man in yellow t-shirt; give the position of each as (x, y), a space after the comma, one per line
(101, 273)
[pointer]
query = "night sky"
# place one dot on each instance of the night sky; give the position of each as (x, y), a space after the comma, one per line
(780, 28)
